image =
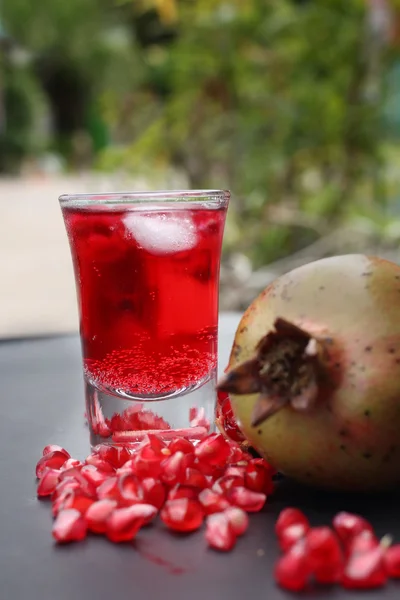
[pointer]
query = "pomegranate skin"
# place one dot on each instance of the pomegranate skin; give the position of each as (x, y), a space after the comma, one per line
(349, 439)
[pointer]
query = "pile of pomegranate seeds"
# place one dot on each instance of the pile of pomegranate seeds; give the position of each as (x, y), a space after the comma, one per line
(133, 424)
(348, 554)
(117, 491)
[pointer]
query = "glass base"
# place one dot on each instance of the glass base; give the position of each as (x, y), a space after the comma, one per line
(116, 419)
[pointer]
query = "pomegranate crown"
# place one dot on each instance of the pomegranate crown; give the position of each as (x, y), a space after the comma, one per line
(287, 369)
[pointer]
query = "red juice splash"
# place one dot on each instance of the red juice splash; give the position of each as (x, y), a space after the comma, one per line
(148, 294)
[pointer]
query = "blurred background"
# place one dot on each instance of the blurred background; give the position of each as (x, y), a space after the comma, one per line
(294, 105)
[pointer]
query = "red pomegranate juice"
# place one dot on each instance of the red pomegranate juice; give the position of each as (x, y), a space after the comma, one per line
(147, 281)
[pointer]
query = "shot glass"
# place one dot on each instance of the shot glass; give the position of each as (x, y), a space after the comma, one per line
(146, 270)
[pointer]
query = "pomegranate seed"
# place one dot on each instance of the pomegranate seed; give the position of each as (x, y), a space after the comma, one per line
(99, 463)
(194, 478)
(69, 526)
(329, 574)
(55, 448)
(365, 570)
(235, 471)
(290, 516)
(197, 418)
(182, 491)
(190, 460)
(72, 473)
(223, 484)
(86, 486)
(261, 462)
(103, 430)
(98, 513)
(362, 542)
(58, 503)
(130, 414)
(181, 445)
(391, 561)
(116, 423)
(214, 450)
(66, 483)
(130, 489)
(212, 502)
(207, 469)
(182, 514)
(63, 487)
(219, 532)
(77, 501)
(246, 499)
(201, 424)
(173, 469)
(48, 482)
(291, 535)
(123, 524)
(71, 463)
(153, 492)
(147, 512)
(238, 519)
(109, 489)
(325, 556)
(156, 443)
(128, 467)
(52, 460)
(258, 479)
(348, 525)
(144, 420)
(93, 476)
(237, 455)
(193, 410)
(96, 418)
(115, 455)
(291, 571)
(148, 463)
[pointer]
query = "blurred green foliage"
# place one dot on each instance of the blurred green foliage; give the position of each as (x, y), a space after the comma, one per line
(281, 101)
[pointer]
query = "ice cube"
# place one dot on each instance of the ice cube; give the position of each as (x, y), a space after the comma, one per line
(162, 233)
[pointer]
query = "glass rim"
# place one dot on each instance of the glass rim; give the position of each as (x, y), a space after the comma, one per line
(102, 198)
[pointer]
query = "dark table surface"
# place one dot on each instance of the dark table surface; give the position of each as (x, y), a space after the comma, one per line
(42, 402)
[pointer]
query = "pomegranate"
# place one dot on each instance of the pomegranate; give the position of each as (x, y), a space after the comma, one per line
(314, 373)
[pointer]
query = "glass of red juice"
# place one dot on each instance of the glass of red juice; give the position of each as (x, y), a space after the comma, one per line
(146, 269)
